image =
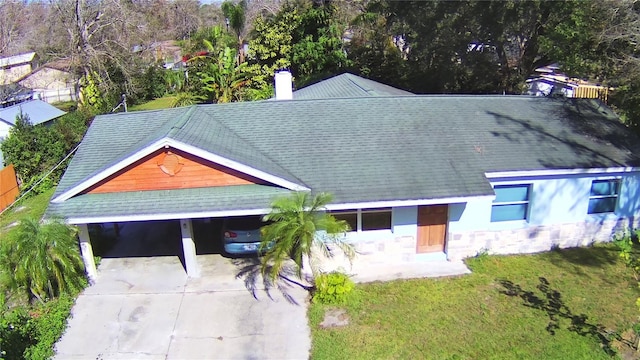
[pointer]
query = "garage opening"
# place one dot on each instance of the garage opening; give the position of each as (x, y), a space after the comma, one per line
(136, 239)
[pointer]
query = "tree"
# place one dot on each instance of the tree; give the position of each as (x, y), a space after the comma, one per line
(10, 23)
(483, 46)
(36, 149)
(318, 49)
(235, 18)
(302, 36)
(102, 41)
(223, 78)
(299, 227)
(42, 259)
(31, 149)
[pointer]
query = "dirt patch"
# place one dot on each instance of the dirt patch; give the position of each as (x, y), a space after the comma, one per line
(625, 346)
(335, 318)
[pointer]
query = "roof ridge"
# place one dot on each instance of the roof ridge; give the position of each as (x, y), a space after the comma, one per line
(253, 147)
(182, 121)
(356, 83)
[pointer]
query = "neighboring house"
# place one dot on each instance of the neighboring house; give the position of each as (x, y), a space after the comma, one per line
(12, 94)
(52, 82)
(549, 81)
(38, 111)
(166, 52)
(14, 67)
(418, 178)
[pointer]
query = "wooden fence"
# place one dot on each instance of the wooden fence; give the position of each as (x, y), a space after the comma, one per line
(592, 92)
(8, 187)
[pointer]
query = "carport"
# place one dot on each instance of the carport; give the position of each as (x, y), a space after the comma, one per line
(156, 238)
(185, 238)
(130, 246)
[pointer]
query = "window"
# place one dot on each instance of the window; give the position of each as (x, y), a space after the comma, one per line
(511, 203)
(351, 217)
(378, 219)
(365, 219)
(603, 196)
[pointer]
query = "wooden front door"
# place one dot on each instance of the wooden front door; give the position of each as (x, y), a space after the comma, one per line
(432, 228)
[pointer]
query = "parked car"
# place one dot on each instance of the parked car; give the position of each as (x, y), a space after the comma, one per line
(241, 235)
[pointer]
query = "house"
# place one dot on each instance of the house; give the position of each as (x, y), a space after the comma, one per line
(52, 82)
(38, 111)
(14, 67)
(549, 81)
(419, 178)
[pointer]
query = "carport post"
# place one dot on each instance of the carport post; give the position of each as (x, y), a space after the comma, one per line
(87, 252)
(189, 248)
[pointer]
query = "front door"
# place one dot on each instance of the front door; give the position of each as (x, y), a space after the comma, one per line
(432, 228)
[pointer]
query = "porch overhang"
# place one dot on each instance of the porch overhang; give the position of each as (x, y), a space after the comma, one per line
(192, 203)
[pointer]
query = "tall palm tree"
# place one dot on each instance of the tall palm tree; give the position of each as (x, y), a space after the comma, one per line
(235, 17)
(43, 259)
(299, 225)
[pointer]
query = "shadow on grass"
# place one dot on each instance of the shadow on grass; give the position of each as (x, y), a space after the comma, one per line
(579, 260)
(551, 302)
(250, 270)
(593, 256)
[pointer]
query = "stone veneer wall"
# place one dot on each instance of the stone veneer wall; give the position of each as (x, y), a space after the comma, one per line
(534, 238)
(379, 251)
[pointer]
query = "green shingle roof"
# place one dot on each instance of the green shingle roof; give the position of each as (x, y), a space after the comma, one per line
(166, 202)
(346, 86)
(364, 149)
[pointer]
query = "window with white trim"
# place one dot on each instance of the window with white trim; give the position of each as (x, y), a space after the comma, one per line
(365, 219)
(603, 196)
(511, 202)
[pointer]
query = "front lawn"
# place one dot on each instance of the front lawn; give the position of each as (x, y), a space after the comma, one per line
(33, 206)
(562, 304)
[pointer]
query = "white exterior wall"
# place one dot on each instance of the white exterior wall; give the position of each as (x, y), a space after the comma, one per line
(4, 130)
(11, 74)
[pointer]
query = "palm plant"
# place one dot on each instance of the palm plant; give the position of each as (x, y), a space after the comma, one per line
(185, 98)
(42, 259)
(299, 225)
(221, 74)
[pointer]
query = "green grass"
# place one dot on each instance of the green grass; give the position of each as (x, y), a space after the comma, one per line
(471, 317)
(34, 207)
(159, 103)
(67, 106)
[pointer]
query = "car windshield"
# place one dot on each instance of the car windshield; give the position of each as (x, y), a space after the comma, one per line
(244, 223)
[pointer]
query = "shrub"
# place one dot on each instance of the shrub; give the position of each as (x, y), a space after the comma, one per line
(626, 244)
(332, 288)
(16, 333)
(48, 323)
(31, 334)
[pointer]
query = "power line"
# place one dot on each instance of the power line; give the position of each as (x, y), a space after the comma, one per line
(41, 179)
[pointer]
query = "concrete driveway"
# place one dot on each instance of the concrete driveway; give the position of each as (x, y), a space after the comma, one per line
(147, 308)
